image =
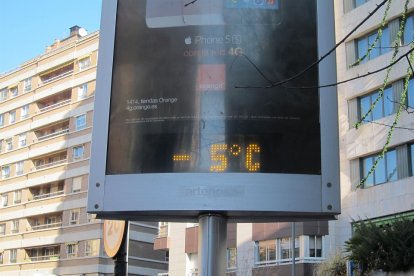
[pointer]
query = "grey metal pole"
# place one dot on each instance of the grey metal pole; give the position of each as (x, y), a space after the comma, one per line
(212, 245)
(293, 249)
(121, 258)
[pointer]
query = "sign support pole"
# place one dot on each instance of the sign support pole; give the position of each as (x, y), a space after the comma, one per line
(212, 245)
(293, 249)
(121, 258)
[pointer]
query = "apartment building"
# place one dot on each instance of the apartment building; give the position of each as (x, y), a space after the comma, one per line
(264, 249)
(257, 249)
(389, 191)
(46, 112)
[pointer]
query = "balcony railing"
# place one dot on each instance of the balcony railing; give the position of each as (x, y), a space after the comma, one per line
(289, 261)
(46, 226)
(64, 74)
(43, 258)
(50, 135)
(48, 107)
(37, 197)
(47, 165)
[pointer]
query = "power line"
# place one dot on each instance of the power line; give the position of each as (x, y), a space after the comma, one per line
(333, 49)
(325, 85)
(389, 126)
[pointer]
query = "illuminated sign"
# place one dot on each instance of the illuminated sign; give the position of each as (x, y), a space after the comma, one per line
(189, 103)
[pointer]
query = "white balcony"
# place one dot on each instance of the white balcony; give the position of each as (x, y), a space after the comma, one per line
(53, 78)
(52, 106)
(46, 226)
(51, 164)
(50, 135)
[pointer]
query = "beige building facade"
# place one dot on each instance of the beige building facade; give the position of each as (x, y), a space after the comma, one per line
(46, 113)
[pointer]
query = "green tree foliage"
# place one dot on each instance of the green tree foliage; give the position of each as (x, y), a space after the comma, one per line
(387, 247)
(334, 266)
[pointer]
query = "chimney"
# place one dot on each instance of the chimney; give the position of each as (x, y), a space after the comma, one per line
(77, 31)
(74, 30)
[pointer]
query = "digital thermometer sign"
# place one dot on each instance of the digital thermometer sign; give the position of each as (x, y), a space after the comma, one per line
(188, 118)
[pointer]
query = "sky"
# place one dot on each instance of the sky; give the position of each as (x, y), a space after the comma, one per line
(27, 27)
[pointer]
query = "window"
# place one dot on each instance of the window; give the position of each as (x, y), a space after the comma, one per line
(9, 144)
(84, 63)
(1, 119)
(382, 46)
(1, 258)
(13, 255)
(2, 229)
(409, 30)
(80, 122)
(231, 258)
(83, 91)
(24, 111)
(12, 117)
(360, 2)
(51, 251)
(78, 152)
(385, 171)
(71, 249)
(315, 246)
(4, 200)
(410, 96)
(266, 251)
(384, 107)
(74, 216)
(17, 197)
(19, 167)
(76, 184)
(22, 140)
(27, 84)
(5, 172)
(53, 221)
(92, 248)
(14, 91)
(15, 226)
(1, 145)
(3, 94)
(286, 248)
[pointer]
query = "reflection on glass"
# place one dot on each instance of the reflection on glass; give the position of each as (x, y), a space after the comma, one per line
(189, 92)
(367, 165)
(388, 101)
(392, 165)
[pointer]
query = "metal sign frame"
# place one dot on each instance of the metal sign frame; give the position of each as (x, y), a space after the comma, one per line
(239, 196)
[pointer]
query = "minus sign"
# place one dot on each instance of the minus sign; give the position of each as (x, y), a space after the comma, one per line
(181, 157)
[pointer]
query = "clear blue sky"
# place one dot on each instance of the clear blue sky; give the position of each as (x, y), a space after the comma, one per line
(27, 27)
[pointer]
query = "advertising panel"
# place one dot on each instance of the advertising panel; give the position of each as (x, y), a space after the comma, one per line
(194, 119)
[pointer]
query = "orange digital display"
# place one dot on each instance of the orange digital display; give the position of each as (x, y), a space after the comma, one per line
(222, 157)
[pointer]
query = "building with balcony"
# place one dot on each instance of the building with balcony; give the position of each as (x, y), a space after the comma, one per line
(257, 249)
(46, 110)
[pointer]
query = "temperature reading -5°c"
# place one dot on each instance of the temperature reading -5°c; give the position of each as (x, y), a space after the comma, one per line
(221, 155)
